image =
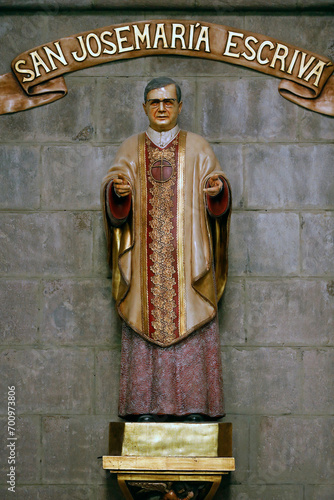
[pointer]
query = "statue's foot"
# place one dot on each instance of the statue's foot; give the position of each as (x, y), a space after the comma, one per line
(194, 418)
(146, 418)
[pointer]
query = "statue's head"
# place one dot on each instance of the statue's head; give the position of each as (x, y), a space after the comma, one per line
(162, 103)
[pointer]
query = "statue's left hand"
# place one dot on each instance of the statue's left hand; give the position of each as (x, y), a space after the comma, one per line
(215, 185)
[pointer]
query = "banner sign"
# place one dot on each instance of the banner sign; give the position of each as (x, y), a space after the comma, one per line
(36, 76)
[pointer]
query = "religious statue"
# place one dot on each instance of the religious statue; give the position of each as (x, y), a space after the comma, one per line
(166, 206)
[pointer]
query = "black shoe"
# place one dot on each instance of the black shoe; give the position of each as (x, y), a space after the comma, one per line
(194, 418)
(146, 418)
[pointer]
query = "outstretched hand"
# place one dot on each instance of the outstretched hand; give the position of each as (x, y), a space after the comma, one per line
(121, 185)
(215, 185)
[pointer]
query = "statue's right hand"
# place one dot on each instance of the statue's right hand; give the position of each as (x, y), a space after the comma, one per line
(121, 185)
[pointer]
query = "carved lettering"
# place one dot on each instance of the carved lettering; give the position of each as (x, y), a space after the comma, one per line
(108, 42)
(180, 35)
(317, 71)
(98, 45)
(83, 50)
(24, 71)
(160, 35)
(176, 35)
(304, 66)
(293, 61)
(144, 36)
(259, 52)
(53, 55)
(279, 56)
(203, 38)
(230, 44)
(37, 62)
(251, 49)
(120, 39)
(191, 36)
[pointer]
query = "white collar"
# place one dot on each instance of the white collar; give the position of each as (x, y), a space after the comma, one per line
(162, 139)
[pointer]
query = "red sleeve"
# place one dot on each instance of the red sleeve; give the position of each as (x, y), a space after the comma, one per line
(118, 207)
(219, 204)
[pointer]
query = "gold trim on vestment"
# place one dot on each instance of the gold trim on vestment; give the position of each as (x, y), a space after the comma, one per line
(143, 232)
(116, 235)
(180, 231)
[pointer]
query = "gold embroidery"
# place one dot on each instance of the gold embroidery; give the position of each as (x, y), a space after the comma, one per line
(180, 232)
(155, 154)
(143, 231)
(163, 263)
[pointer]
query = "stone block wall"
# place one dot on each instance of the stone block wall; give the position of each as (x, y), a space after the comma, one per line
(60, 336)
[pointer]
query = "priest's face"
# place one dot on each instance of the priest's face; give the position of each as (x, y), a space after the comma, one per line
(162, 108)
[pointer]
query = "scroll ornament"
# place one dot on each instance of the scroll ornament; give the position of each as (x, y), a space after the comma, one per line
(36, 78)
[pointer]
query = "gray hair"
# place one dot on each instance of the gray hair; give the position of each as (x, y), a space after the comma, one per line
(162, 81)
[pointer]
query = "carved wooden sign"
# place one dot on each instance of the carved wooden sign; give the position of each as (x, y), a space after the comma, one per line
(306, 77)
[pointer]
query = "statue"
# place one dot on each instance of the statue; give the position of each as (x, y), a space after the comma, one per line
(166, 206)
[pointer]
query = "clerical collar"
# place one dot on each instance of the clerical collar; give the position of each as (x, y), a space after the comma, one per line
(162, 139)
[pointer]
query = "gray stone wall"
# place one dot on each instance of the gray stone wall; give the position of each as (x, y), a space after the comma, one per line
(60, 334)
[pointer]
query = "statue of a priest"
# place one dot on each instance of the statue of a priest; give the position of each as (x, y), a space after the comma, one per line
(166, 207)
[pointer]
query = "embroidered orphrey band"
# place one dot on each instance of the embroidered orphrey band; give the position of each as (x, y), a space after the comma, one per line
(180, 231)
(143, 231)
(161, 226)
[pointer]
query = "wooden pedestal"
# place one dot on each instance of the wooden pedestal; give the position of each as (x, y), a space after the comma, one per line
(166, 458)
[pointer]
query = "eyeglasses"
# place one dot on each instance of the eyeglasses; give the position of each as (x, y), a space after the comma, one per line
(155, 103)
